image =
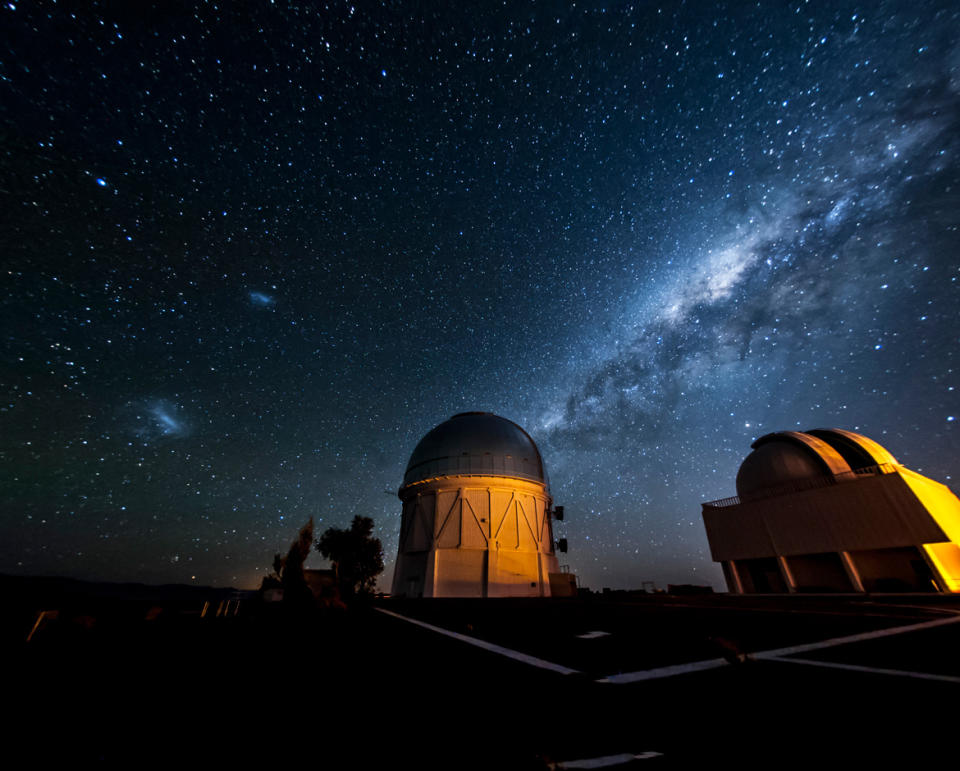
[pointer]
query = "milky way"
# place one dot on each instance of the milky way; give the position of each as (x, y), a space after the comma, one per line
(252, 256)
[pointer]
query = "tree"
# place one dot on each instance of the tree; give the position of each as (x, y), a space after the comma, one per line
(295, 588)
(288, 571)
(356, 555)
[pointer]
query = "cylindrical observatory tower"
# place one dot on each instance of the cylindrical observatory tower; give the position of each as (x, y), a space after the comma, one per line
(476, 513)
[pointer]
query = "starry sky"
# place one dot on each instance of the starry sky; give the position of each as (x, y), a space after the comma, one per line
(253, 251)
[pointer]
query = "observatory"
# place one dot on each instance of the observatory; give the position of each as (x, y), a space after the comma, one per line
(476, 514)
(829, 510)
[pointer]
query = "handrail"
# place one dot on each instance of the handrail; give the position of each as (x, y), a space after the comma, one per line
(801, 485)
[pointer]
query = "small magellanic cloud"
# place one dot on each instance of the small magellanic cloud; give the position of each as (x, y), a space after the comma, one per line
(261, 299)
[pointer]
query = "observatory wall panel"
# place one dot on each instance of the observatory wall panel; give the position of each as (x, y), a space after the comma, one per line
(507, 532)
(878, 511)
(476, 519)
(946, 558)
(939, 500)
(406, 523)
(798, 525)
(459, 573)
(540, 509)
(513, 573)
(736, 532)
(526, 523)
(421, 531)
(501, 504)
(448, 519)
(868, 513)
(546, 531)
(409, 575)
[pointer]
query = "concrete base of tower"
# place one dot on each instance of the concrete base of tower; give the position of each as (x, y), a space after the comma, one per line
(475, 536)
(475, 573)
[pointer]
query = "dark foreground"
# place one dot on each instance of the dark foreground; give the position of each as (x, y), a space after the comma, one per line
(359, 689)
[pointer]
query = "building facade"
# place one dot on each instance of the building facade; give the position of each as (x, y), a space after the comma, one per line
(829, 510)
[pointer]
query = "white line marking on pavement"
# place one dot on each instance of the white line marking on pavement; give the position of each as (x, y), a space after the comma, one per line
(928, 608)
(875, 635)
(778, 654)
(593, 635)
(672, 671)
(510, 654)
(606, 761)
(871, 670)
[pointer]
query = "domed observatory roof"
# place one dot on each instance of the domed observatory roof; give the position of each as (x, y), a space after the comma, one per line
(786, 459)
(476, 443)
(859, 451)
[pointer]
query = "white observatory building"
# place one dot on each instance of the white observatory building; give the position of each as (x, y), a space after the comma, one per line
(476, 514)
(829, 510)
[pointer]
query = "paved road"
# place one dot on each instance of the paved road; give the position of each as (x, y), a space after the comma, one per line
(371, 691)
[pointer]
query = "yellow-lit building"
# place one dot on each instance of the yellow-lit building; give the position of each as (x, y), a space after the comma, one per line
(829, 510)
(476, 514)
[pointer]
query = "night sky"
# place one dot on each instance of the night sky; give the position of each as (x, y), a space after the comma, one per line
(252, 252)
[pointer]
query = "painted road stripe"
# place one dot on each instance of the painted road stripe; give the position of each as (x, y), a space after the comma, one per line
(871, 670)
(875, 635)
(510, 654)
(606, 761)
(778, 654)
(655, 674)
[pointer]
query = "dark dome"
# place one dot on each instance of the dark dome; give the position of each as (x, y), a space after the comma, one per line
(476, 443)
(776, 464)
(786, 458)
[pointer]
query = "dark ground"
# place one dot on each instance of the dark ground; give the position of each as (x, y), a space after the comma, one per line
(362, 690)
